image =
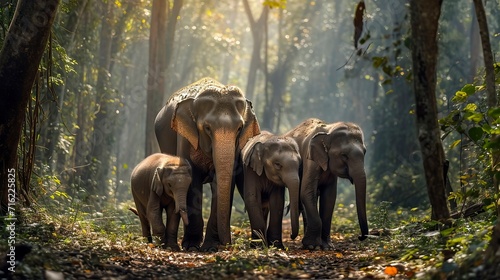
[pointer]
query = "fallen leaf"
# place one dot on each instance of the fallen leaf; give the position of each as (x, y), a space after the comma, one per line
(391, 271)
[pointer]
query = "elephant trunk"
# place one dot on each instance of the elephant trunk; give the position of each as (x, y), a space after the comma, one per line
(358, 175)
(181, 207)
(224, 151)
(293, 184)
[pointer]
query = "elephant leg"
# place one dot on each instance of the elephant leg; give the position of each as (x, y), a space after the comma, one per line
(327, 198)
(193, 232)
(254, 207)
(212, 242)
(155, 218)
(240, 180)
(145, 226)
(276, 206)
(173, 220)
(309, 198)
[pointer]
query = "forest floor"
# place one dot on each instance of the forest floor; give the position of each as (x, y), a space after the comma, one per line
(82, 250)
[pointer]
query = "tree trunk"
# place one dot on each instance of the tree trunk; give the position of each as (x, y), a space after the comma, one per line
(161, 39)
(53, 130)
(257, 31)
(424, 23)
(279, 76)
(494, 245)
(475, 46)
(102, 136)
(487, 54)
(19, 59)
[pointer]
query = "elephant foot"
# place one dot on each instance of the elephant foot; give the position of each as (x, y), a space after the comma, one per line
(312, 247)
(327, 245)
(192, 249)
(210, 247)
(149, 239)
(311, 243)
(171, 247)
(190, 246)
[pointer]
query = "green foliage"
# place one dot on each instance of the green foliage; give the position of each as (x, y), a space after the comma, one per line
(380, 215)
(476, 126)
(275, 4)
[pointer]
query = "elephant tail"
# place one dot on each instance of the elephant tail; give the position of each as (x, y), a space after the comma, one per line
(133, 210)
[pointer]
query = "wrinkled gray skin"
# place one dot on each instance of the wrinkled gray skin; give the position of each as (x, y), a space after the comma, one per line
(329, 151)
(271, 163)
(208, 123)
(161, 182)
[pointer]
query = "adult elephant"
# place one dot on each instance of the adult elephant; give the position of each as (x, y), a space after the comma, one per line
(208, 123)
(329, 151)
(271, 163)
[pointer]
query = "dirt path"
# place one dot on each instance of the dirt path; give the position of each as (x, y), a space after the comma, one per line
(94, 256)
(113, 251)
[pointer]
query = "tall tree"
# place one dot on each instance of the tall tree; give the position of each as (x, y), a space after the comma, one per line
(491, 255)
(103, 133)
(52, 129)
(20, 56)
(161, 39)
(257, 27)
(287, 54)
(424, 25)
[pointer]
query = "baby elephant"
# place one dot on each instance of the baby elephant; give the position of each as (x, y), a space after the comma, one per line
(271, 163)
(161, 182)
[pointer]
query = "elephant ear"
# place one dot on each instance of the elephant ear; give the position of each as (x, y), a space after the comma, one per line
(252, 157)
(183, 122)
(251, 126)
(318, 150)
(156, 183)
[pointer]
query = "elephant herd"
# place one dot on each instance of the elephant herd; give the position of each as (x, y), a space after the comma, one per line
(208, 133)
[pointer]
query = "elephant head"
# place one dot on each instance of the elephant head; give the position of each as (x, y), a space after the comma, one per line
(172, 179)
(219, 120)
(341, 151)
(279, 159)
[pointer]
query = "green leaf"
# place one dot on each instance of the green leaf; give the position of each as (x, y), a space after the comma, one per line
(475, 117)
(379, 61)
(475, 133)
(447, 232)
(460, 96)
(469, 89)
(456, 240)
(486, 128)
(494, 113)
(471, 107)
(455, 143)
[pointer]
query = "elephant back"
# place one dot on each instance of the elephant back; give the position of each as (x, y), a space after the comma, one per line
(193, 90)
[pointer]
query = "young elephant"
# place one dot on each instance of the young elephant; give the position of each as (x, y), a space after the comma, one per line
(161, 182)
(271, 163)
(329, 151)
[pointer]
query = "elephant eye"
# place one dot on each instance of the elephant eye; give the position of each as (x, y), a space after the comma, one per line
(277, 165)
(207, 129)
